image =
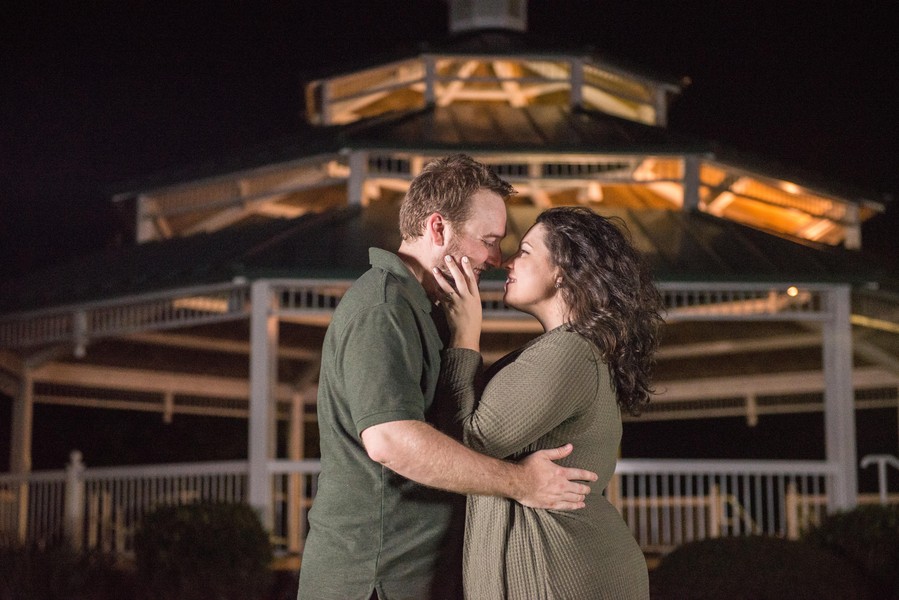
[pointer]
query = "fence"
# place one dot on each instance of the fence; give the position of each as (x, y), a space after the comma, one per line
(665, 502)
(668, 503)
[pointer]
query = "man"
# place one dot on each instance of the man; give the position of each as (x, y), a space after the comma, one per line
(380, 526)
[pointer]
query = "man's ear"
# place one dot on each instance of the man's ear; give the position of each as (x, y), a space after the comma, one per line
(436, 229)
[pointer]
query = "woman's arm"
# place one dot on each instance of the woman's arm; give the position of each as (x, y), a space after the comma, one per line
(534, 393)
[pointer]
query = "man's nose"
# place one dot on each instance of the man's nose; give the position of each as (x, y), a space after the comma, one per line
(495, 257)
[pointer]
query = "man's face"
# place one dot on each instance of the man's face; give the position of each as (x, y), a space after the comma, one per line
(480, 236)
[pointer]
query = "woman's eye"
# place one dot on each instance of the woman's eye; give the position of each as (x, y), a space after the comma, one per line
(489, 243)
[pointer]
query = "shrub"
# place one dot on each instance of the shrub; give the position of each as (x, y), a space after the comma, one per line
(57, 572)
(203, 551)
(868, 536)
(755, 568)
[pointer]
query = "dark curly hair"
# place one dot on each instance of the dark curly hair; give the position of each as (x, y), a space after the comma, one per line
(609, 291)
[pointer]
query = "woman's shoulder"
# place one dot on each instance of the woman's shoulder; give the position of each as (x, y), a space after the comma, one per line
(564, 341)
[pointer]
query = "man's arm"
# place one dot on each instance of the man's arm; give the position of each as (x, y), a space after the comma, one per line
(419, 452)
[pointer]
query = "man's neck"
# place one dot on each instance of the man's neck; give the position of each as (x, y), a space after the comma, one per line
(411, 257)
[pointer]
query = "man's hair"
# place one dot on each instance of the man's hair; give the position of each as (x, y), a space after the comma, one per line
(445, 186)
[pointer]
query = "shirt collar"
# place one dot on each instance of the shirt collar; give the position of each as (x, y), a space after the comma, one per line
(390, 262)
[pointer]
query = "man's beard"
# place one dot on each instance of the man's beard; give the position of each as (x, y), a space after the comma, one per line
(454, 249)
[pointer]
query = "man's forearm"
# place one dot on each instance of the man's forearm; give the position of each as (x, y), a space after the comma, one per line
(419, 452)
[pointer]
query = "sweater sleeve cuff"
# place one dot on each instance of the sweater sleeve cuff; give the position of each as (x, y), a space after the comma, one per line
(460, 365)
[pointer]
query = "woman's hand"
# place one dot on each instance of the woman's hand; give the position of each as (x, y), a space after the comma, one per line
(461, 304)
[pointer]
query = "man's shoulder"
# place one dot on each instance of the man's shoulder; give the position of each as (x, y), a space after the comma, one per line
(375, 286)
(376, 291)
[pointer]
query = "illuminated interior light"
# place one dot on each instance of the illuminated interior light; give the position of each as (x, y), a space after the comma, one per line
(202, 304)
(792, 291)
(818, 229)
(720, 204)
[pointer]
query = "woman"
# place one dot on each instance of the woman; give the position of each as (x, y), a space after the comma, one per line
(580, 277)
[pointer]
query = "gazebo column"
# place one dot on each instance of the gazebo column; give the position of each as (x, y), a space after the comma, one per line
(22, 425)
(358, 162)
(20, 447)
(263, 379)
(295, 445)
(839, 401)
(691, 183)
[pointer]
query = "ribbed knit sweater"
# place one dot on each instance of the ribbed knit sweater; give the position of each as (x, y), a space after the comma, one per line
(554, 390)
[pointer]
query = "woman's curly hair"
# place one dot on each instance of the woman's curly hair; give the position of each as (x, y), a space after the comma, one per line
(609, 291)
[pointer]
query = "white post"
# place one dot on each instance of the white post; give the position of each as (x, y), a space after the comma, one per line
(20, 446)
(660, 103)
(576, 81)
(839, 401)
(263, 378)
(22, 425)
(73, 522)
(358, 162)
(430, 80)
(295, 445)
(691, 183)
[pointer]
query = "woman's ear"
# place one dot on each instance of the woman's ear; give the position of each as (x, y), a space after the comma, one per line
(558, 276)
(435, 228)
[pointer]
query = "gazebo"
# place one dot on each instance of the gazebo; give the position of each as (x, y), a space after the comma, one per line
(220, 305)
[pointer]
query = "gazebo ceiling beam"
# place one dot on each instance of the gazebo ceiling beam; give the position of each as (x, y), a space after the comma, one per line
(211, 344)
(457, 85)
(146, 380)
(512, 87)
(769, 384)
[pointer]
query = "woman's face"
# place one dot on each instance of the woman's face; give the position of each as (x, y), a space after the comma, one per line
(531, 282)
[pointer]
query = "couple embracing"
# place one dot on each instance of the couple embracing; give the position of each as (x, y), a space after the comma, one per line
(444, 480)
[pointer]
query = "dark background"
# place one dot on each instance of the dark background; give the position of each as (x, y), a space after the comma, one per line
(96, 94)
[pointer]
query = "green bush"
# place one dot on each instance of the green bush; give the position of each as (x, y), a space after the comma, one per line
(205, 551)
(868, 536)
(57, 572)
(755, 568)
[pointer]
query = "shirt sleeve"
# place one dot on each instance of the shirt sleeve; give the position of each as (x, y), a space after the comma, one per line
(545, 385)
(382, 361)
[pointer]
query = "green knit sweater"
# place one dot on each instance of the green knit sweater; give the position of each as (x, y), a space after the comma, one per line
(554, 390)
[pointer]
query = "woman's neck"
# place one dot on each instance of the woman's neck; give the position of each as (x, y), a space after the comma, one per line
(552, 315)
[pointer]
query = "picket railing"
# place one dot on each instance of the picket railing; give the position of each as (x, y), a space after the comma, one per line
(665, 502)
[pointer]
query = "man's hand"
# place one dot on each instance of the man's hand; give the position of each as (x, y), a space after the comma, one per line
(547, 485)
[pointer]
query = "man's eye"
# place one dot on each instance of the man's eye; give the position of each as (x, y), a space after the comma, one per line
(489, 243)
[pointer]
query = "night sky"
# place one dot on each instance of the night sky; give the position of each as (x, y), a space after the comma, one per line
(98, 94)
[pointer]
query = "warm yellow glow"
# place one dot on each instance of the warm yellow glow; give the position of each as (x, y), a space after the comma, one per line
(871, 323)
(792, 291)
(202, 304)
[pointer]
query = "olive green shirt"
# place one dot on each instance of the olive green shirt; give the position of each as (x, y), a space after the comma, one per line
(369, 527)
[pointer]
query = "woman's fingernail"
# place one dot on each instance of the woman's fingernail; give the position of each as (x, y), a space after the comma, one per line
(448, 258)
(465, 259)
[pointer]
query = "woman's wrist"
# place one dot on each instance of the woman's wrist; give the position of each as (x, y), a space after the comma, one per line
(472, 342)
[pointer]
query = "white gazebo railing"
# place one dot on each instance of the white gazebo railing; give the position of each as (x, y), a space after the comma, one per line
(665, 502)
